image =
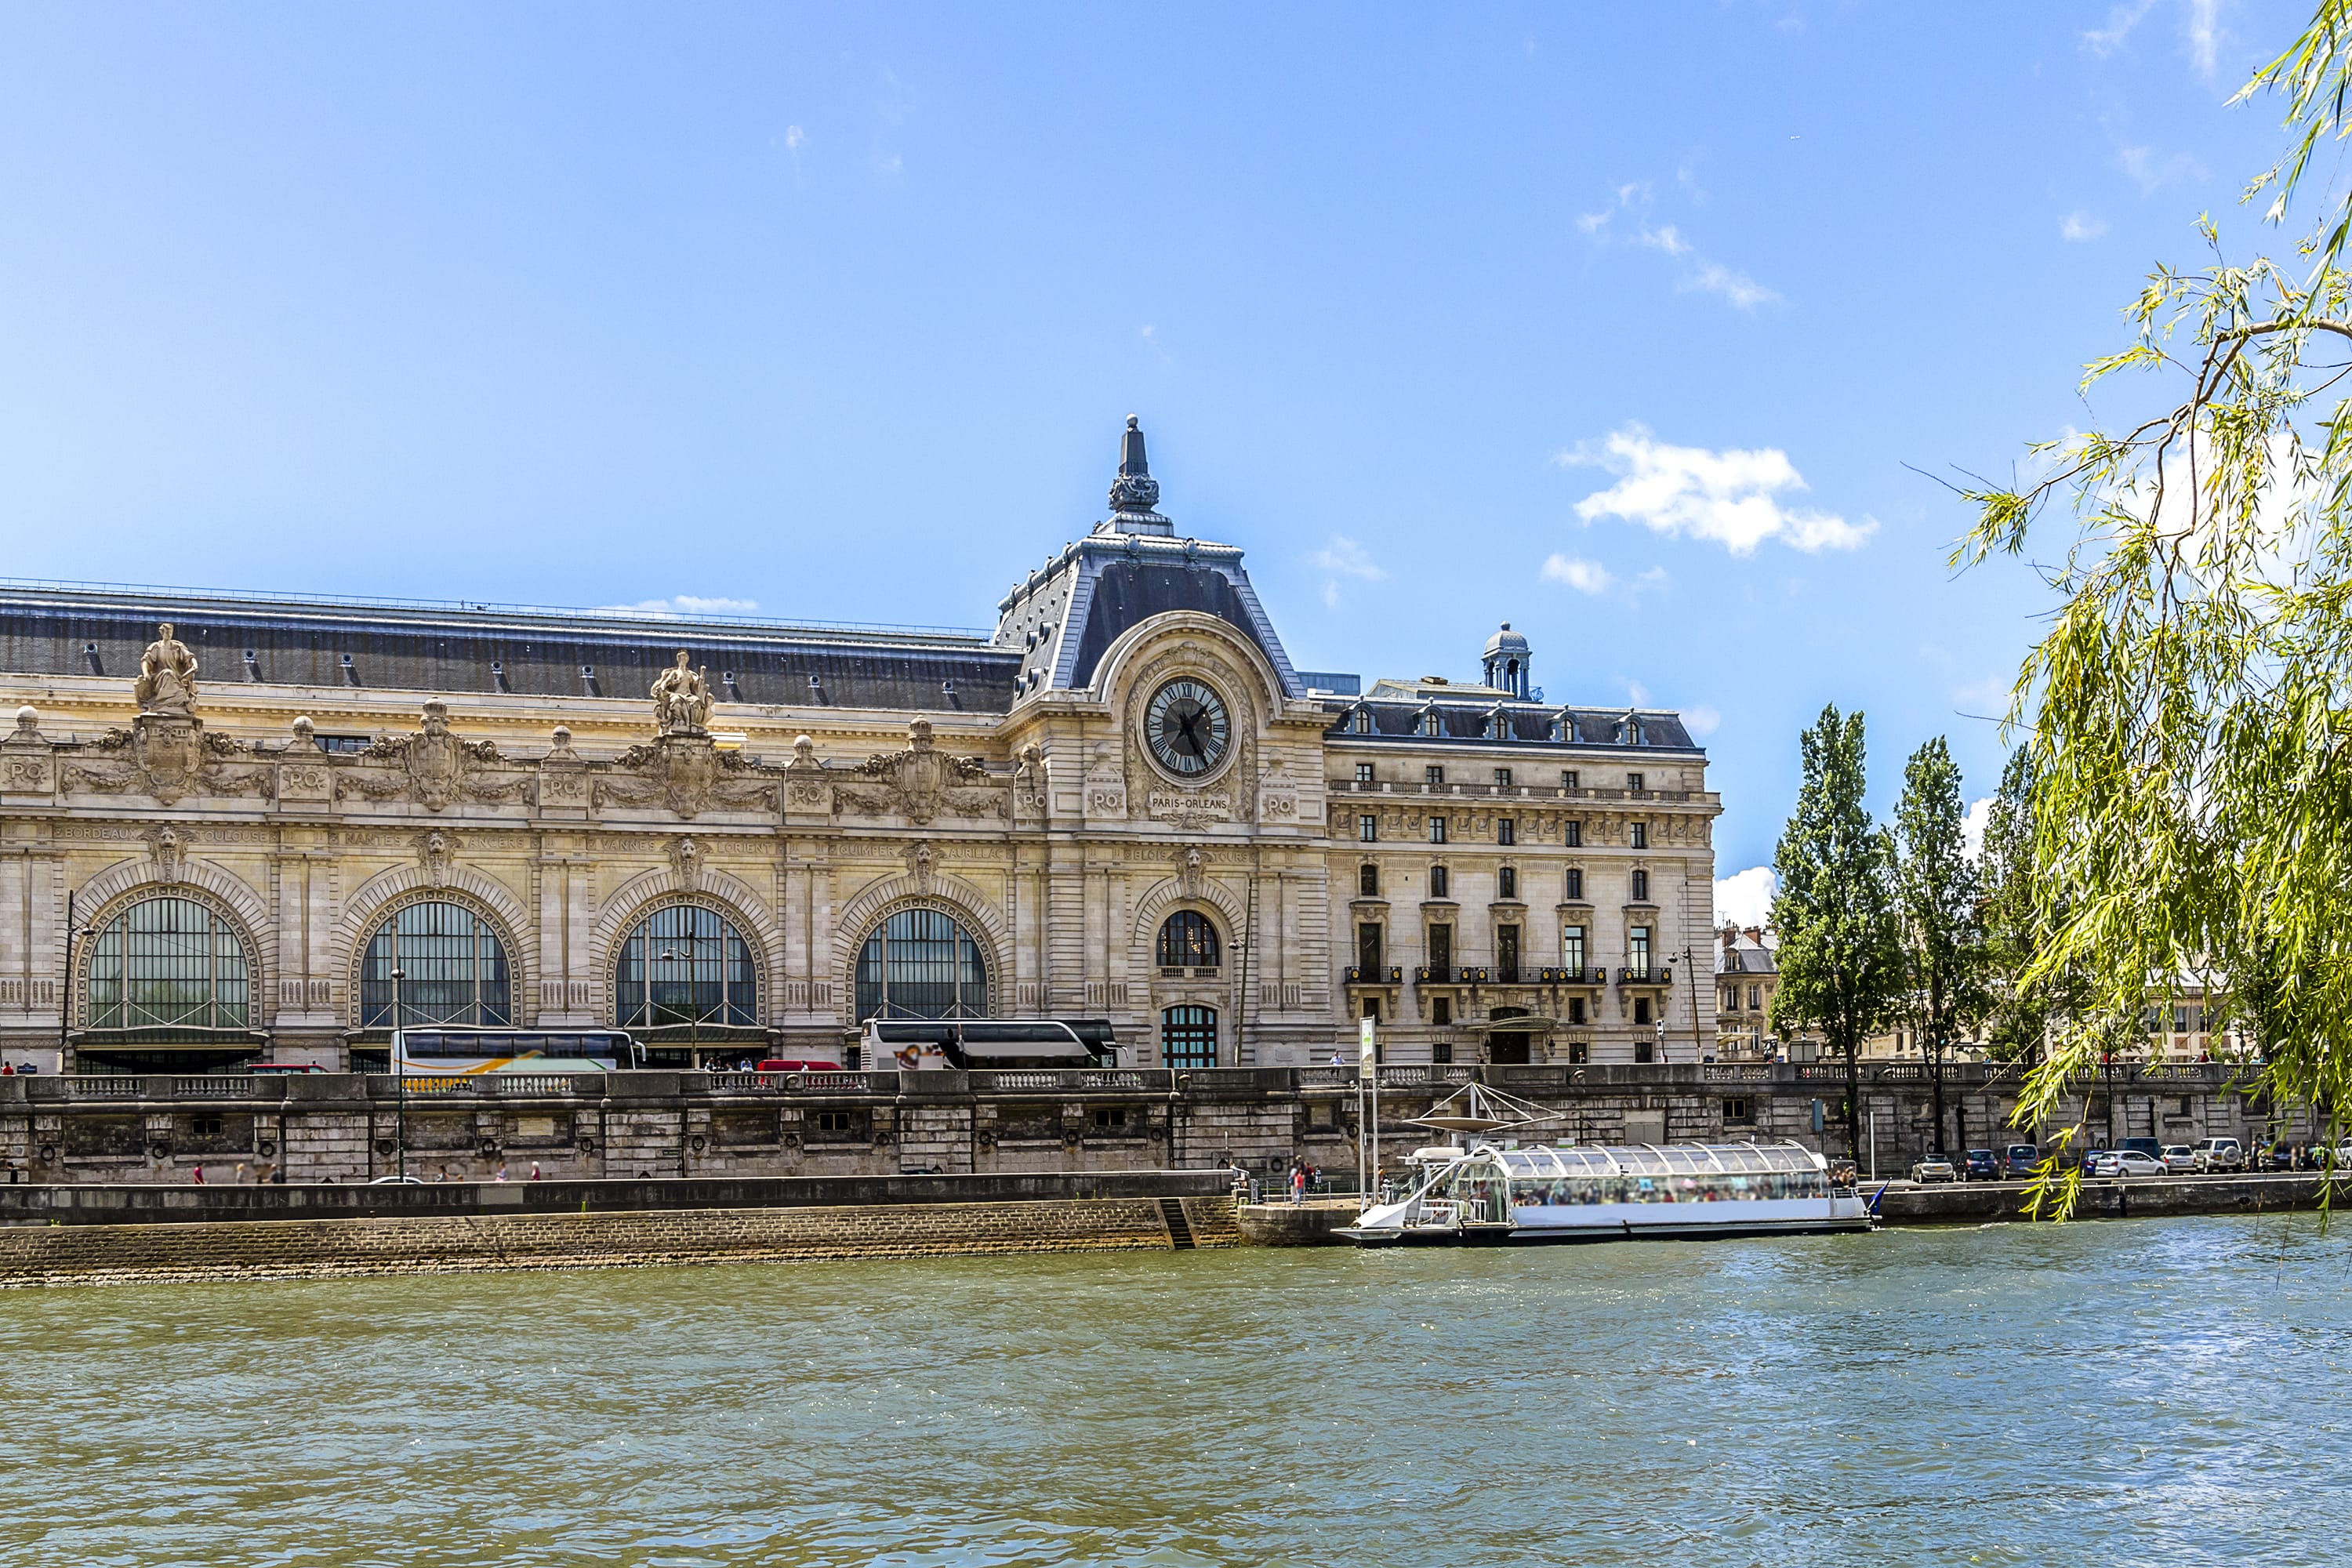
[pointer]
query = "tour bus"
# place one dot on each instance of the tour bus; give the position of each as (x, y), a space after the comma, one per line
(439, 1050)
(914, 1044)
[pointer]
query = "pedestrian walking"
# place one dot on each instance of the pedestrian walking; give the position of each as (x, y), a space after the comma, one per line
(197, 1176)
(503, 1171)
(534, 1169)
(1297, 1181)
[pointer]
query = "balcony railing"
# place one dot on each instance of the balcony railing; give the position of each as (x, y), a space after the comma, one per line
(1635, 974)
(1571, 977)
(1392, 974)
(1450, 974)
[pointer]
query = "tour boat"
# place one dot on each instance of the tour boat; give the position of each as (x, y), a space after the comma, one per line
(1509, 1195)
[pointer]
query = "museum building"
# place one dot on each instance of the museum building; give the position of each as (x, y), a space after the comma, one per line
(227, 818)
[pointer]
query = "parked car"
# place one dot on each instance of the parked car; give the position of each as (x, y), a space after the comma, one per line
(1933, 1168)
(1978, 1166)
(2148, 1146)
(2019, 1160)
(2090, 1158)
(2219, 1154)
(2128, 1163)
(2180, 1159)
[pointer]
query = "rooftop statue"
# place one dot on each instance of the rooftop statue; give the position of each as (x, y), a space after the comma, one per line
(167, 677)
(682, 700)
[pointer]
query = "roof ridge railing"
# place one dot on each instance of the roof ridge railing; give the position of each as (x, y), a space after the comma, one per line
(479, 606)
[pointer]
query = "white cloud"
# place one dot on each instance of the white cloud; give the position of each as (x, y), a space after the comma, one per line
(1743, 291)
(1584, 576)
(794, 139)
(1702, 721)
(2121, 20)
(1346, 557)
(1972, 826)
(2081, 225)
(1745, 899)
(1665, 239)
(685, 604)
(1637, 694)
(2151, 173)
(1728, 497)
(1986, 698)
(1343, 557)
(2204, 35)
(1699, 275)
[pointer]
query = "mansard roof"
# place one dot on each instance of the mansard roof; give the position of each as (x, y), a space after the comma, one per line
(411, 646)
(1481, 713)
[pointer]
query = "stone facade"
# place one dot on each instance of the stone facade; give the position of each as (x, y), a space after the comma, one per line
(1496, 879)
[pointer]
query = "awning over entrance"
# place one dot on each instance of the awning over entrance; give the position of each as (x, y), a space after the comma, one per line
(188, 1051)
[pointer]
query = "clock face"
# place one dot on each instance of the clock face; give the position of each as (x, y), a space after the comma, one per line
(1186, 725)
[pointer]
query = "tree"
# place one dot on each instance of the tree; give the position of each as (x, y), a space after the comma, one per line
(2191, 736)
(2019, 1015)
(1840, 961)
(1943, 933)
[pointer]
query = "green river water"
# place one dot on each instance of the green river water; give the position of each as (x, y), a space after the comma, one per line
(2167, 1392)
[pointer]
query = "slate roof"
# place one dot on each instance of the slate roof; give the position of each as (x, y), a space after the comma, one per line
(1481, 715)
(51, 629)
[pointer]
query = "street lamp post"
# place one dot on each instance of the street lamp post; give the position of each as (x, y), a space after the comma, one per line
(399, 1079)
(693, 1011)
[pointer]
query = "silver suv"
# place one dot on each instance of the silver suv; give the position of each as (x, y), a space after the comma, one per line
(2218, 1154)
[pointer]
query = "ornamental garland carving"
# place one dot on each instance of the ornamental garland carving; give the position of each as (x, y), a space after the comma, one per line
(432, 766)
(688, 774)
(922, 782)
(166, 757)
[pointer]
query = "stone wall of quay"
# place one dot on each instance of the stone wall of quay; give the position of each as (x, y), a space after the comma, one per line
(351, 1129)
(248, 1249)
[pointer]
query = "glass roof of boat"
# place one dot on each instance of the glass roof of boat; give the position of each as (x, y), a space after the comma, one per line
(1658, 1160)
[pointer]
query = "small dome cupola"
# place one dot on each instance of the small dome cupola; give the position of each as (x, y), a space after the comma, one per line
(1507, 662)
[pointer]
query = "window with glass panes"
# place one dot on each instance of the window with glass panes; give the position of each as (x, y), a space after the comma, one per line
(685, 963)
(453, 970)
(168, 963)
(1188, 1036)
(921, 964)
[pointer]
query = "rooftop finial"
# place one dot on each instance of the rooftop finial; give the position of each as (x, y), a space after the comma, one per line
(1135, 490)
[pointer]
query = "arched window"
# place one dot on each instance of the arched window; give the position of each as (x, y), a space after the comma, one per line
(453, 970)
(1188, 1036)
(1188, 939)
(167, 963)
(921, 965)
(685, 964)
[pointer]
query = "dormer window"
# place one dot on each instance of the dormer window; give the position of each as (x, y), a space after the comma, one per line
(1363, 720)
(1429, 724)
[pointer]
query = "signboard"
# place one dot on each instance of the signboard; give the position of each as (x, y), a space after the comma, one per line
(1364, 1042)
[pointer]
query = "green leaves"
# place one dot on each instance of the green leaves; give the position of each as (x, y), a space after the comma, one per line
(2182, 813)
(1840, 961)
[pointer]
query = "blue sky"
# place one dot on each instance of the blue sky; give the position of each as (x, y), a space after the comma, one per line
(1620, 324)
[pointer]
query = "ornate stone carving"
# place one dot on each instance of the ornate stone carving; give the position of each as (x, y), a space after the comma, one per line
(682, 700)
(166, 758)
(1029, 792)
(804, 783)
(1277, 794)
(432, 766)
(1190, 873)
(922, 864)
(1106, 784)
(922, 782)
(562, 776)
(684, 860)
(27, 765)
(434, 852)
(171, 853)
(687, 774)
(167, 677)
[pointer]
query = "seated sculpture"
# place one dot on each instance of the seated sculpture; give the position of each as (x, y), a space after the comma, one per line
(167, 677)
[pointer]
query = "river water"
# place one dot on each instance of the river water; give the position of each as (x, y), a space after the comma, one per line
(2162, 1391)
